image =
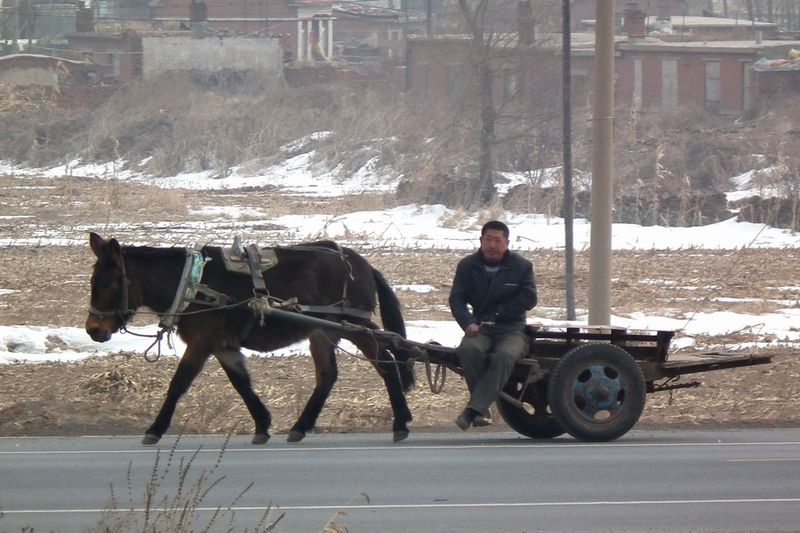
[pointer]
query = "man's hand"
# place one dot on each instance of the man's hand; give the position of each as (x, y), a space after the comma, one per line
(472, 330)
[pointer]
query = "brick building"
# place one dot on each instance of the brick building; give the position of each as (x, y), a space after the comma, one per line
(120, 52)
(652, 73)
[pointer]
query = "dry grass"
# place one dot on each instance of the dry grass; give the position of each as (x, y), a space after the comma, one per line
(180, 126)
(172, 498)
(120, 394)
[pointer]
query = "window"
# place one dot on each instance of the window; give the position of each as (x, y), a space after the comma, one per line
(746, 78)
(509, 84)
(712, 84)
(669, 84)
(637, 84)
(452, 81)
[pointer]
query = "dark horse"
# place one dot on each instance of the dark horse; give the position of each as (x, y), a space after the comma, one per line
(320, 274)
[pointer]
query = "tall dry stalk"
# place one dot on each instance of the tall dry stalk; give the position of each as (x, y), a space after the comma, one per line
(172, 500)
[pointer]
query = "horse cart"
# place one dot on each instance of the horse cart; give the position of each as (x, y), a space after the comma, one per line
(587, 381)
(590, 382)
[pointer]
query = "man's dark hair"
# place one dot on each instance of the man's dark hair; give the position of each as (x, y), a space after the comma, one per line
(495, 225)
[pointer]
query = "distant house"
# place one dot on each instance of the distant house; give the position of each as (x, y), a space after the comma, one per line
(716, 75)
(304, 26)
(366, 31)
(527, 69)
(47, 71)
(121, 52)
(652, 74)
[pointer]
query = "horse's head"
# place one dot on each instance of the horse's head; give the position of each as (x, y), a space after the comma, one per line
(109, 307)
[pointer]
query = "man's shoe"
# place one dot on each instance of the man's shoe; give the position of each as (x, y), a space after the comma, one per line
(481, 421)
(464, 420)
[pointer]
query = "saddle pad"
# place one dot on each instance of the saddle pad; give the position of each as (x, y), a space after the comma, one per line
(236, 261)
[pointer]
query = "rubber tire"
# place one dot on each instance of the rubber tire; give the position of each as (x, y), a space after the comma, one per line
(539, 425)
(588, 368)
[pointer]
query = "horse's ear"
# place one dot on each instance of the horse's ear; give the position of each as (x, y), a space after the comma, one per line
(97, 244)
(115, 251)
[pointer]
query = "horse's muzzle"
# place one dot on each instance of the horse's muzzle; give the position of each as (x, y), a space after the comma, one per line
(98, 335)
(96, 330)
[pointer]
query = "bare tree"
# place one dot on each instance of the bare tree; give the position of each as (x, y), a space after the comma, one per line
(474, 16)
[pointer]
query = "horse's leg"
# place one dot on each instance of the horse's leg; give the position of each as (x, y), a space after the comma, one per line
(324, 356)
(386, 366)
(191, 364)
(232, 362)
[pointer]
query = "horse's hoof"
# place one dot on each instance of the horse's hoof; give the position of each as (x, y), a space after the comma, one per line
(295, 436)
(400, 436)
(260, 438)
(149, 438)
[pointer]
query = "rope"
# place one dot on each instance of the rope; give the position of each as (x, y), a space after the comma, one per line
(437, 378)
(394, 362)
(158, 338)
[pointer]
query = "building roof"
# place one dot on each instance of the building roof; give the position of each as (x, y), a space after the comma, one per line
(357, 9)
(708, 46)
(41, 58)
(681, 21)
(310, 2)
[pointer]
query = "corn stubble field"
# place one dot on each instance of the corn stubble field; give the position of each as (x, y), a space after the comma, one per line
(120, 394)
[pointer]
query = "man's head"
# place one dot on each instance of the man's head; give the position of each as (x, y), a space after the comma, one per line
(494, 241)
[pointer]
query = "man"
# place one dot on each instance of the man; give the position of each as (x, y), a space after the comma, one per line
(492, 290)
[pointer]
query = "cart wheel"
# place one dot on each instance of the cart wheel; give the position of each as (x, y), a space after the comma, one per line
(597, 392)
(533, 419)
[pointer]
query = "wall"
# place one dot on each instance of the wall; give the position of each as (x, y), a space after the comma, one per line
(439, 70)
(169, 53)
(120, 52)
(29, 76)
(691, 77)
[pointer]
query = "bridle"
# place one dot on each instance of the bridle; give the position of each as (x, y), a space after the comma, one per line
(122, 311)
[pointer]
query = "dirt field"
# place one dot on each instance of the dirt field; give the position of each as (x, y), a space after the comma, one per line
(120, 394)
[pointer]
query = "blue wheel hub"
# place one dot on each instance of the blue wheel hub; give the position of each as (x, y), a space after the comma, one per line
(598, 389)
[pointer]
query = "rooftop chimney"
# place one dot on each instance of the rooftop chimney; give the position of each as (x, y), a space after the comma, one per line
(634, 24)
(527, 24)
(198, 12)
(84, 19)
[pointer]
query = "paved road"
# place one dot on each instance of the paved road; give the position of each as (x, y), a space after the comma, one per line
(490, 481)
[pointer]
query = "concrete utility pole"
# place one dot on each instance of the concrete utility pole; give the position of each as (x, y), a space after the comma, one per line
(602, 166)
(569, 197)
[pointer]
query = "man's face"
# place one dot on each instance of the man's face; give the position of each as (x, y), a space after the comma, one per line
(493, 245)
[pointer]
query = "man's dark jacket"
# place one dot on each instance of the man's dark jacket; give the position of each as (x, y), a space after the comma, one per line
(503, 300)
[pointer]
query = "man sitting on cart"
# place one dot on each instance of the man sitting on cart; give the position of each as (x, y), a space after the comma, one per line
(492, 290)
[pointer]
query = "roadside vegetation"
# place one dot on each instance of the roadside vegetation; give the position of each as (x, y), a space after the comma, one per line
(671, 169)
(173, 499)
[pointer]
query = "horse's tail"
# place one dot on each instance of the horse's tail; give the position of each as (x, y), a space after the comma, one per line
(392, 318)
